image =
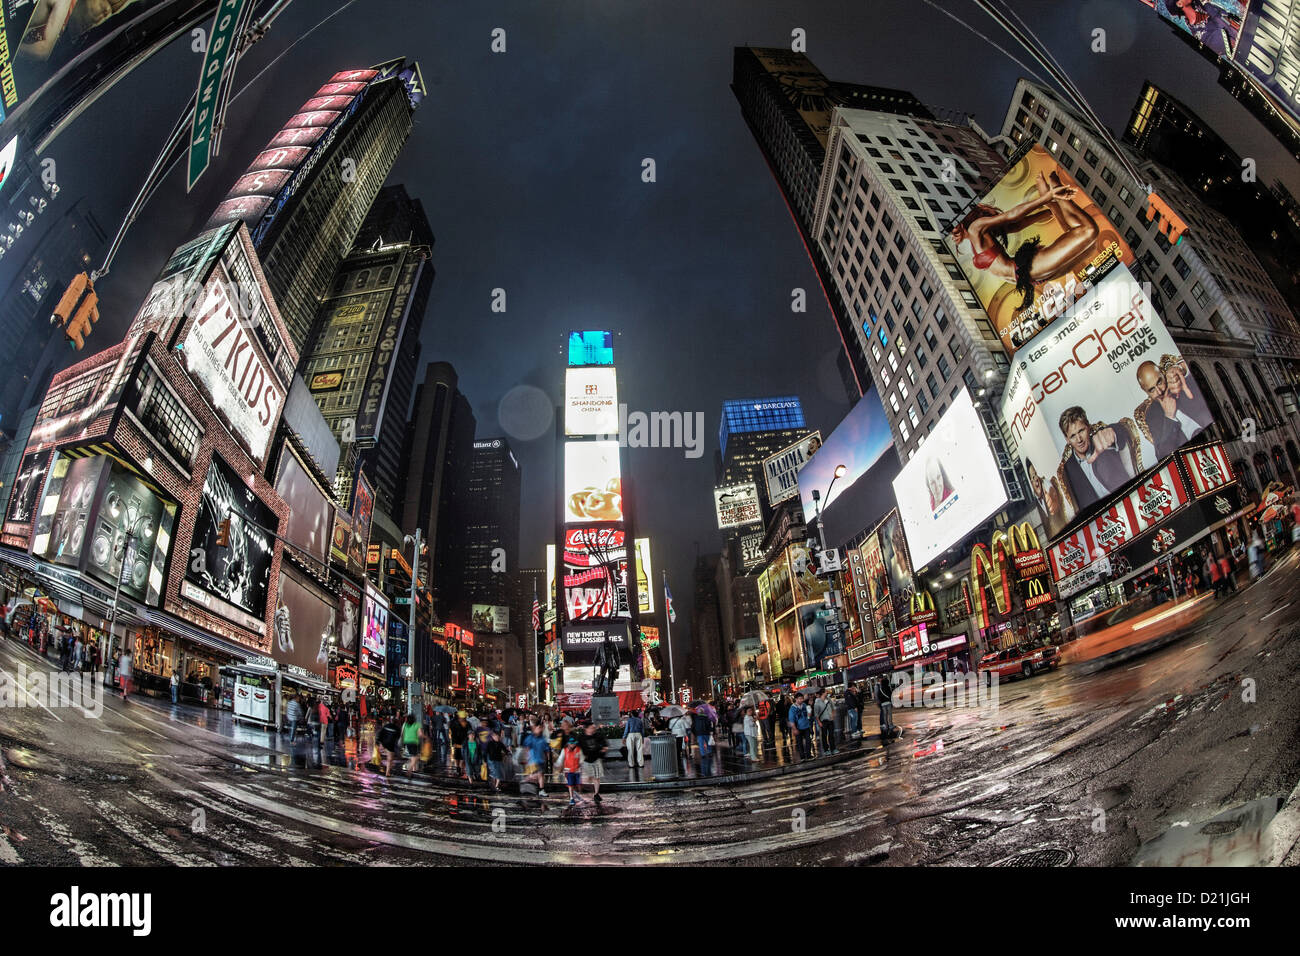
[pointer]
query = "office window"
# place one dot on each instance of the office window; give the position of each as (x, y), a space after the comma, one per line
(916, 309)
(1066, 160)
(1108, 176)
(893, 403)
(1090, 158)
(1168, 287)
(1199, 295)
(912, 265)
(902, 429)
(944, 369)
(932, 385)
(1185, 313)
(941, 318)
(911, 373)
(893, 361)
(914, 418)
(1083, 178)
(1181, 266)
(955, 347)
(931, 339)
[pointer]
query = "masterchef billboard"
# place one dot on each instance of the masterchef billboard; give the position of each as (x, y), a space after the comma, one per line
(1101, 396)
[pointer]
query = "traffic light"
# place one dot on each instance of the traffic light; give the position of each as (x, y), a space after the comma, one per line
(77, 313)
(223, 533)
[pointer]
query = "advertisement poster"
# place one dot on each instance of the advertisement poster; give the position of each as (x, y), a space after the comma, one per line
(27, 486)
(304, 621)
(1208, 468)
(820, 639)
(584, 643)
(363, 504)
(226, 361)
(737, 505)
(66, 511)
(590, 401)
(645, 589)
(591, 348)
(1215, 23)
(1269, 48)
(593, 488)
(789, 642)
(780, 585)
(238, 574)
(311, 514)
(349, 615)
(595, 573)
(893, 549)
(751, 551)
(1031, 246)
(803, 576)
(1101, 397)
(374, 640)
(951, 485)
(490, 618)
(857, 443)
(781, 471)
(126, 504)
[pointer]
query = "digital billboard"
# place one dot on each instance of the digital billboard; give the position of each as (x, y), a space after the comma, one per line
(305, 618)
(593, 487)
(591, 348)
(490, 618)
(363, 505)
(590, 401)
(28, 482)
(374, 638)
(645, 577)
(898, 565)
(225, 359)
(595, 573)
(857, 443)
(70, 497)
(1215, 23)
(349, 614)
(1032, 244)
(951, 485)
(781, 471)
(1269, 50)
(232, 580)
(582, 643)
(737, 505)
(1101, 398)
(374, 397)
(311, 513)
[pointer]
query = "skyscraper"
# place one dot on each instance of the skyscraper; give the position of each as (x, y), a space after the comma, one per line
(305, 196)
(787, 102)
(361, 364)
(438, 447)
(491, 543)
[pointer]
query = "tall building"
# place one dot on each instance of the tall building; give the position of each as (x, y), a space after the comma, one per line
(362, 360)
(491, 543)
(787, 102)
(708, 656)
(73, 243)
(1229, 320)
(1163, 129)
(304, 197)
(890, 185)
(747, 415)
(439, 445)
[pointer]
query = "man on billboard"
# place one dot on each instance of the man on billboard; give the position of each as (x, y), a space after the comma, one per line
(1170, 418)
(1094, 466)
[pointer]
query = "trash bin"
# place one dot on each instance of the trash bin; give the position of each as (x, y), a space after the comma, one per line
(663, 756)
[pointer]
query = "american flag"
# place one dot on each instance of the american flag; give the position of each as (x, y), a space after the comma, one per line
(537, 614)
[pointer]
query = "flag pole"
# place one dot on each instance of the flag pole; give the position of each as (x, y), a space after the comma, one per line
(668, 618)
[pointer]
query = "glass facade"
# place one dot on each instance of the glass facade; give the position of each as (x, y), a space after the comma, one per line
(741, 415)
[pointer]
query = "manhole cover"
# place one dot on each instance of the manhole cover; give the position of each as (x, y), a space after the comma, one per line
(1043, 857)
(1220, 827)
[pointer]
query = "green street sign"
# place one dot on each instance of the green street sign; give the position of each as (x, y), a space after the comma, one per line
(221, 44)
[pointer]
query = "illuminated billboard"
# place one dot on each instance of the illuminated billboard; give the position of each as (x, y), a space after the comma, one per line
(1215, 23)
(590, 401)
(1103, 397)
(592, 482)
(363, 506)
(234, 579)
(781, 471)
(645, 577)
(490, 618)
(595, 573)
(1269, 50)
(591, 348)
(374, 636)
(857, 443)
(1032, 244)
(311, 513)
(951, 485)
(224, 356)
(305, 618)
(737, 505)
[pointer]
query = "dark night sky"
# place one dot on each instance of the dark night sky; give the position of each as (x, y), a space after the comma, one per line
(529, 166)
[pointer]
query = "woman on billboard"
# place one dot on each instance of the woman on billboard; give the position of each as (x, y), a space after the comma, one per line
(986, 228)
(936, 479)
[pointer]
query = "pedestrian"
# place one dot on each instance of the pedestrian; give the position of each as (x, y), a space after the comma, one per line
(412, 734)
(389, 739)
(1256, 555)
(884, 698)
(853, 707)
(766, 718)
(325, 719)
(751, 733)
(342, 723)
(537, 745)
(823, 713)
(702, 726)
(593, 749)
(783, 718)
(313, 720)
(1216, 575)
(293, 714)
(571, 767)
(634, 738)
(474, 757)
(678, 726)
(125, 672)
(460, 731)
(801, 726)
(175, 685)
(496, 753)
(739, 742)
(1229, 578)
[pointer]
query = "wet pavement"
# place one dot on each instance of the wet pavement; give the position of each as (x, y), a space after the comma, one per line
(1184, 754)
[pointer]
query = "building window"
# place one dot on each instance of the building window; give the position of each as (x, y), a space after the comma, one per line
(1125, 196)
(944, 369)
(893, 402)
(914, 418)
(1090, 158)
(911, 373)
(923, 402)
(931, 339)
(166, 419)
(902, 429)
(932, 385)
(1083, 178)
(1185, 313)
(1108, 176)
(955, 347)
(941, 318)
(362, 278)
(1199, 295)
(1181, 266)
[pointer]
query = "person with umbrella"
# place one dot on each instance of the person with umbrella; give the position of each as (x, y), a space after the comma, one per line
(702, 725)
(678, 723)
(751, 732)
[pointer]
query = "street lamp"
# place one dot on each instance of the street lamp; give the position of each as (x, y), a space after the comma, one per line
(132, 531)
(408, 671)
(821, 531)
